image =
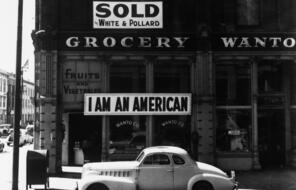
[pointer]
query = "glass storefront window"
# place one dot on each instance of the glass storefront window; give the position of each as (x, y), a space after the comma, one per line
(233, 83)
(270, 76)
(172, 131)
(127, 137)
(127, 77)
(233, 130)
(172, 77)
(127, 133)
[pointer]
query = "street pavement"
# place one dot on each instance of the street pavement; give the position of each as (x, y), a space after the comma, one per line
(268, 179)
(271, 179)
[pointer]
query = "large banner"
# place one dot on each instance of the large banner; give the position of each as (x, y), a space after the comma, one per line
(137, 104)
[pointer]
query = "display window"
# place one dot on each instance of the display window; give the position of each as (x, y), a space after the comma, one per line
(172, 131)
(233, 130)
(127, 134)
(127, 76)
(233, 83)
(171, 77)
(270, 76)
(233, 103)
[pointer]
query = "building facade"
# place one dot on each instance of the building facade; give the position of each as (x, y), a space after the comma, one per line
(214, 77)
(3, 96)
(28, 111)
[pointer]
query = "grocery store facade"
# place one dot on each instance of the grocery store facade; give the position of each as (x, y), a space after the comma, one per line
(113, 77)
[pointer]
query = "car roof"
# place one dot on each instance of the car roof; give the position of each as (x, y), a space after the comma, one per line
(165, 149)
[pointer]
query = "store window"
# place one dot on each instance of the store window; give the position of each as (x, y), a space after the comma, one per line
(233, 130)
(233, 83)
(233, 106)
(127, 133)
(270, 76)
(172, 77)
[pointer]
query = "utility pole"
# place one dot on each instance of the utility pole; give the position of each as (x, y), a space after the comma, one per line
(18, 98)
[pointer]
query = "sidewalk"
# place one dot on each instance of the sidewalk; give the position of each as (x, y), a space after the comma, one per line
(271, 179)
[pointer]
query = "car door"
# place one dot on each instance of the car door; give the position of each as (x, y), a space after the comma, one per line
(156, 173)
(183, 171)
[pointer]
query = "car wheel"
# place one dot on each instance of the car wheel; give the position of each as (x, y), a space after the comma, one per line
(203, 185)
(97, 186)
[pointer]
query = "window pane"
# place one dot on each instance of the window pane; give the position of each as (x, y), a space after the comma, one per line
(157, 159)
(171, 78)
(233, 130)
(127, 77)
(178, 160)
(172, 131)
(127, 136)
(233, 83)
(270, 76)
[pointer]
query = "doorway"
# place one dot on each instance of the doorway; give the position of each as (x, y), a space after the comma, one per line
(271, 138)
(85, 132)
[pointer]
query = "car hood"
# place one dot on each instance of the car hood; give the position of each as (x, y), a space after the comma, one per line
(122, 165)
(207, 168)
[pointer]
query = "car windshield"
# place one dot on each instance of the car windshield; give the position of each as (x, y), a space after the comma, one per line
(140, 157)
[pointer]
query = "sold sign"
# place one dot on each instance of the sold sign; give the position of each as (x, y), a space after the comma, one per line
(127, 15)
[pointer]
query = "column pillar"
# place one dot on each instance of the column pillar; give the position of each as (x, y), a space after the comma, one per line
(254, 86)
(204, 107)
(149, 89)
(105, 119)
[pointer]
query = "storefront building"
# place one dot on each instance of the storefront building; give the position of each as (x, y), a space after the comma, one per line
(115, 77)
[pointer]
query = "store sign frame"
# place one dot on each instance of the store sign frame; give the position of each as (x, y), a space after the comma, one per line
(90, 41)
(253, 41)
(127, 15)
(137, 104)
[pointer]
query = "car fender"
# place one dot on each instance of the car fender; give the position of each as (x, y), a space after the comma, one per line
(217, 181)
(113, 183)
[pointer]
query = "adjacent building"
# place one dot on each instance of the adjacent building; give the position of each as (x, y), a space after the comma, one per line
(28, 111)
(214, 77)
(3, 96)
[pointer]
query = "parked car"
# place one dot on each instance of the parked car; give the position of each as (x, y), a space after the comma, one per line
(157, 168)
(10, 139)
(2, 145)
(4, 129)
(137, 142)
(28, 138)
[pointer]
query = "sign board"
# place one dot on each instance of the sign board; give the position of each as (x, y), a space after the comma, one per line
(80, 77)
(89, 41)
(137, 104)
(254, 42)
(127, 15)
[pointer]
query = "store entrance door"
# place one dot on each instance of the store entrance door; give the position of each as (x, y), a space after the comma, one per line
(271, 138)
(85, 137)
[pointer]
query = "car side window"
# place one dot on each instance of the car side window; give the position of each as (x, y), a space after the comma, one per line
(178, 160)
(157, 159)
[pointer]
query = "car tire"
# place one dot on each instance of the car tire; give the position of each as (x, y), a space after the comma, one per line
(202, 185)
(97, 186)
